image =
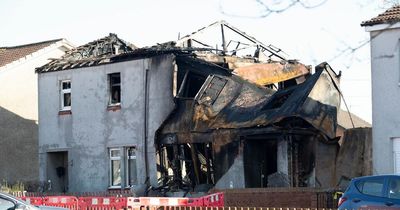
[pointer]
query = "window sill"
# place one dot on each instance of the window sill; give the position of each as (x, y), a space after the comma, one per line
(114, 107)
(64, 112)
(118, 188)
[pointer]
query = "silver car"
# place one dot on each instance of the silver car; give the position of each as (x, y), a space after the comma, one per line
(9, 202)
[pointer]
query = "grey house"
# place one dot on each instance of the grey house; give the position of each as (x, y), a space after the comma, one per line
(96, 116)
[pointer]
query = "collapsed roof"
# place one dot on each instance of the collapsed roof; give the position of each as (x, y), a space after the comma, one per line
(93, 53)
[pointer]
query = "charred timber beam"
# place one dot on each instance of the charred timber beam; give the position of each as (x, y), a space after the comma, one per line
(195, 162)
(223, 40)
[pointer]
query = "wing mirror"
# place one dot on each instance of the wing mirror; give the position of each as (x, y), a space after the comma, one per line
(19, 206)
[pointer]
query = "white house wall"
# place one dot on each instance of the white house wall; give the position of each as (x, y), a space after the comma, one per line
(91, 129)
(19, 115)
(385, 65)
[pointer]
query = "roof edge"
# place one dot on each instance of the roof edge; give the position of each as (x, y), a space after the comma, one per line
(36, 43)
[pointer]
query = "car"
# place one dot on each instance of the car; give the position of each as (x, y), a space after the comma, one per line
(9, 202)
(372, 192)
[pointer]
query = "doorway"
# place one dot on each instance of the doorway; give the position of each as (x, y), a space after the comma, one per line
(260, 161)
(57, 171)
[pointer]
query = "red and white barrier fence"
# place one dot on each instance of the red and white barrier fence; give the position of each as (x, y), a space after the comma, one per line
(118, 203)
(103, 203)
(69, 202)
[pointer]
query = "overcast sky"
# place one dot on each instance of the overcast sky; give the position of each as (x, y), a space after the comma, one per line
(309, 35)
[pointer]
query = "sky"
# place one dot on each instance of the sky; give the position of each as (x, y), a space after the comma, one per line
(310, 35)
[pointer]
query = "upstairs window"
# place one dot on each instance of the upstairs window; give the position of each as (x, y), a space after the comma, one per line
(65, 94)
(114, 80)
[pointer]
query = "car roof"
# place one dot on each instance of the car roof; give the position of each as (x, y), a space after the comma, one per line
(373, 176)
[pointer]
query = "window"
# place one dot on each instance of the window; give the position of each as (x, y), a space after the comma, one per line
(114, 80)
(131, 169)
(396, 155)
(371, 186)
(120, 162)
(394, 188)
(115, 167)
(65, 94)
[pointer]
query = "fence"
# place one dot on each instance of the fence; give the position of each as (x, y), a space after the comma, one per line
(229, 200)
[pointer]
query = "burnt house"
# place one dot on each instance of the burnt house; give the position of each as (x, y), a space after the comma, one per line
(250, 121)
(188, 116)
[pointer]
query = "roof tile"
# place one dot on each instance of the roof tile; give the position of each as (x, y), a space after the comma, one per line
(10, 54)
(390, 16)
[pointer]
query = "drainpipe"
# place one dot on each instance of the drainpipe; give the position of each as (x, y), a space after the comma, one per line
(145, 130)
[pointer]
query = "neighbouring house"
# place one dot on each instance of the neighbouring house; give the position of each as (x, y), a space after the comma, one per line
(19, 107)
(184, 116)
(384, 33)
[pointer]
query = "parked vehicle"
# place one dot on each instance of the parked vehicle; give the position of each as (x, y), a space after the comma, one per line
(9, 202)
(372, 192)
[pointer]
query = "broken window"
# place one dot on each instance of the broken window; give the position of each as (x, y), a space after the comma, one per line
(65, 94)
(191, 84)
(131, 166)
(183, 166)
(114, 80)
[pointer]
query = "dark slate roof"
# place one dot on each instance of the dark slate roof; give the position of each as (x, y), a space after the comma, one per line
(10, 54)
(93, 53)
(390, 16)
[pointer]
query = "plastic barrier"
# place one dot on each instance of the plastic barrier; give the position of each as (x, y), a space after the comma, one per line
(36, 201)
(133, 203)
(162, 201)
(70, 202)
(104, 203)
(196, 202)
(214, 200)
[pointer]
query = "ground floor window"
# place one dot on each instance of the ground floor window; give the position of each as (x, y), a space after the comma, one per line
(131, 169)
(396, 155)
(123, 170)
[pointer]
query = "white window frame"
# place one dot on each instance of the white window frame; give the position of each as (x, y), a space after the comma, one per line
(118, 158)
(110, 103)
(127, 171)
(396, 154)
(63, 92)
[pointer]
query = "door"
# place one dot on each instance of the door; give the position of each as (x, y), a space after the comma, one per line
(57, 171)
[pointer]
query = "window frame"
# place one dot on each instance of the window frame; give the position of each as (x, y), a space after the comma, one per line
(127, 169)
(111, 159)
(110, 88)
(63, 92)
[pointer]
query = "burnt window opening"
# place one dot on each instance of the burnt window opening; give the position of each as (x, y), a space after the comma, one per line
(190, 85)
(278, 99)
(114, 82)
(287, 84)
(184, 166)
